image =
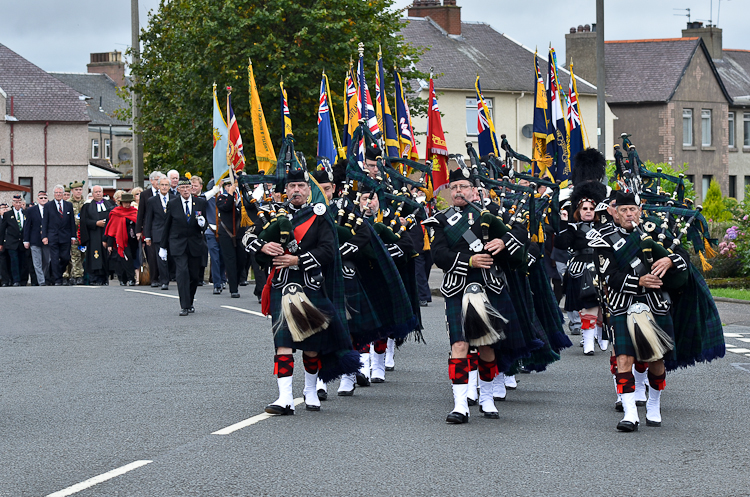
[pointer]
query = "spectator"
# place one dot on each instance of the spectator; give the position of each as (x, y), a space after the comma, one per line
(11, 239)
(122, 243)
(32, 238)
(58, 232)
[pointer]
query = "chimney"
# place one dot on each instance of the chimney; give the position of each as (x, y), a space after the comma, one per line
(711, 36)
(447, 16)
(580, 44)
(109, 63)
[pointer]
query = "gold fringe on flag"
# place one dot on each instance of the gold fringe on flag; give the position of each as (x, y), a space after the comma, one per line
(245, 219)
(710, 252)
(704, 263)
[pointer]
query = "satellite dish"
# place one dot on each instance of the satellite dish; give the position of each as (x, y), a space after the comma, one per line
(124, 154)
(527, 131)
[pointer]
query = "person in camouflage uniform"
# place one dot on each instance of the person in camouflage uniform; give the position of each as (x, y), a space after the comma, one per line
(75, 267)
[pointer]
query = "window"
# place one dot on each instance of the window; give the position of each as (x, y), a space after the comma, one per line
(471, 115)
(691, 179)
(733, 186)
(94, 148)
(747, 181)
(706, 185)
(27, 196)
(746, 129)
(687, 127)
(706, 127)
(107, 149)
(731, 130)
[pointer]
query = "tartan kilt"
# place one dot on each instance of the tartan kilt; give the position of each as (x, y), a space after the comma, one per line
(573, 301)
(364, 324)
(333, 338)
(547, 309)
(507, 351)
(623, 345)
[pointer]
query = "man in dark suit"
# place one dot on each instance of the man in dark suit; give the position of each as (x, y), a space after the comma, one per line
(11, 239)
(146, 194)
(155, 217)
(94, 217)
(58, 231)
(32, 238)
(182, 238)
(5, 278)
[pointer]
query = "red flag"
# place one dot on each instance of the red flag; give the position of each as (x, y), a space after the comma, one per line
(437, 150)
(235, 152)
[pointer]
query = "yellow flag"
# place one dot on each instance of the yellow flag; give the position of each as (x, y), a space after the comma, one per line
(264, 152)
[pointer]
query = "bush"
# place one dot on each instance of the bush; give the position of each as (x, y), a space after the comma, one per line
(714, 207)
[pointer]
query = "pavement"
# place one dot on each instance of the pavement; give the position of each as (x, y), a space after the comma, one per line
(106, 391)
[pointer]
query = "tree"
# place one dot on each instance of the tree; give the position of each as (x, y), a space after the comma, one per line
(713, 205)
(190, 44)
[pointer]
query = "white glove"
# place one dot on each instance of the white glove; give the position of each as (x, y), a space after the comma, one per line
(213, 192)
(163, 254)
(201, 221)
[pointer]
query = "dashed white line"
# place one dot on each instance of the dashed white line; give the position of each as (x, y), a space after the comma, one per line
(732, 335)
(99, 479)
(246, 311)
(251, 421)
(746, 340)
(739, 351)
(154, 293)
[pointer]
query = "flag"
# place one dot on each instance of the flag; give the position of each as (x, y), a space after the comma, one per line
(326, 148)
(407, 145)
(385, 119)
(235, 152)
(437, 150)
(265, 154)
(574, 120)
(366, 111)
(220, 132)
(487, 138)
(286, 118)
(340, 149)
(351, 114)
(541, 161)
(559, 148)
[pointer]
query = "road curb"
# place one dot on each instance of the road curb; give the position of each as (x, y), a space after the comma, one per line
(731, 301)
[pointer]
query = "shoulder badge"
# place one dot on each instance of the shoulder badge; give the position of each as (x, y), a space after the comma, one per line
(319, 209)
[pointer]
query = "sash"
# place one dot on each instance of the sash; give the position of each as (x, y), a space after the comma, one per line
(459, 226)
(626, 251)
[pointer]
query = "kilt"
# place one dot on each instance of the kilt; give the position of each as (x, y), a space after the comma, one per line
(364, 324)
(507, 351)
(624, 345)
(573, 301)
(547, 309)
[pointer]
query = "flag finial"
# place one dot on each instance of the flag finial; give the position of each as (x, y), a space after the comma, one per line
(361, 48)
(229, 90)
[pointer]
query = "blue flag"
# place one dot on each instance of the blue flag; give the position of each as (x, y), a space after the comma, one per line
(487, 138)
(385, 119)
(326, 148)
(559, 147)
(574, 121)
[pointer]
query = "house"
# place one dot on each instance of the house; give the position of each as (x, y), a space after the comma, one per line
(458, 51)
(683, 100)
(43, 127)
(110, 137)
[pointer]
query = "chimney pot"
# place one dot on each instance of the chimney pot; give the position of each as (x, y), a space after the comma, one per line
(580, 28)
(572, 30)
(586, 28)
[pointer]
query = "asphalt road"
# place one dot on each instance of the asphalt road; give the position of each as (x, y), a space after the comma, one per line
(99, 378)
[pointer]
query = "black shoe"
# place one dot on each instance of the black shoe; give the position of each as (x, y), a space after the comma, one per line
(456, 418)
(18, 284)
(165, 287)
(235, 295)
(652, 423)
(122, 283)
(627, 426)
(223, 286)
(322, 394)
(472, 402)
(154, 284)
(260, 300)
(377, 380)
(217, 291)
(618, 406)
(201, 283)
(5, 284)
(244, 283)
(312, 408)
(362, 380)
(490, 415)
(422, 303)
(183, 312)
(72, 282)
(523, 370)
(280, 410)
(65, 283)
(79, 281)
(495, 397)
(390, 368)
(591, 353)
(191, 309)
(345, 393)
(131, 283)
(640, 403)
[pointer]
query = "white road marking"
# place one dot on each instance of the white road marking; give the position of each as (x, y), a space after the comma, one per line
(740, 351)
(154, 293)
(247, 311)
(746, 340)
(729, 345)
(251, 421)
(99, 479)
(732, 335)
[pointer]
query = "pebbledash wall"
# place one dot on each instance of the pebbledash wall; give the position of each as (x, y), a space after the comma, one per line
(67, 153)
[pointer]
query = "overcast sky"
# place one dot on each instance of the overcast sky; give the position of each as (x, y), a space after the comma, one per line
(59, 35)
